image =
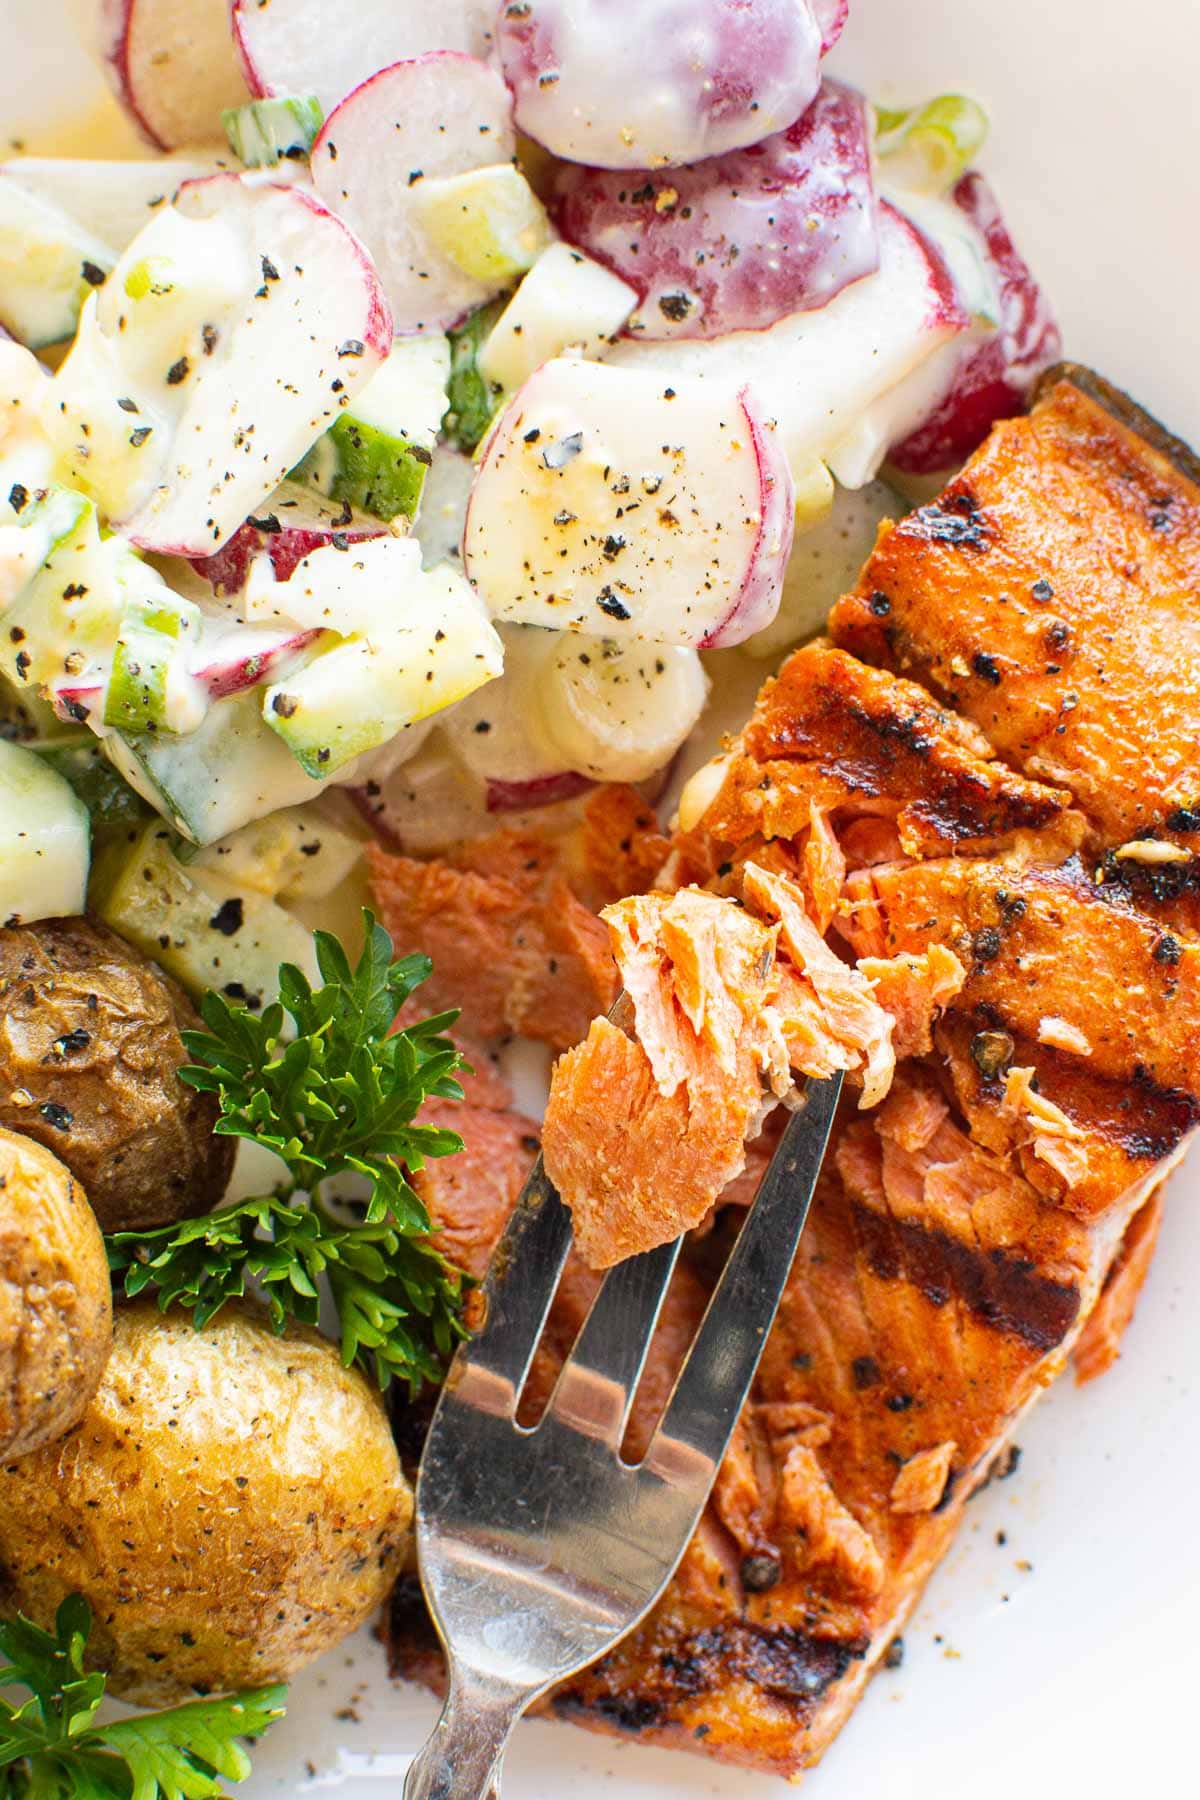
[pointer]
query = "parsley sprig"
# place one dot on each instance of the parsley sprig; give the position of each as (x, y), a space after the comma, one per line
(337, 1096)
(53, 1748)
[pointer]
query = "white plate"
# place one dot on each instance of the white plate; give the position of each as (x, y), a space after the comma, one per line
(1065, 1660)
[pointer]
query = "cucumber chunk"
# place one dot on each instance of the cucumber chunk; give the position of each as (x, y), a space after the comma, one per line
(432, 644)
(44, 840)
(48, 266)
(488, 221)
(228, 771)
(472, 397)
(267, 132)
(207, 931)
(151, 687)
(375, 456)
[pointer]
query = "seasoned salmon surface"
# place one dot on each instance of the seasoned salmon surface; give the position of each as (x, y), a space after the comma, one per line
(1050, 595)
(1000, 860)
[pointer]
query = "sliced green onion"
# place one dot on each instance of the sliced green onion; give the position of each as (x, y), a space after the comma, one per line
(926, 148)
(266, 132)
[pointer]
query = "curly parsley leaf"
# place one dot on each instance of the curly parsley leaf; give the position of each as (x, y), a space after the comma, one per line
(337, 1094)
(52, 1748)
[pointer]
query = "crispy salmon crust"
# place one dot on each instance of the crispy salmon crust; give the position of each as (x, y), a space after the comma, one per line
(833, 740)
(1049, 594)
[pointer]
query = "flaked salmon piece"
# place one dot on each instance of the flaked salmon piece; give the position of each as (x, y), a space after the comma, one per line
(700, 973)
(471, 1194)
(637, 1167)
(854, 1020)
(622, 849)
(1049, 594)
(914, 991)
(641, 1136)
(1100, 1342)
(834, 741)
(516, 951)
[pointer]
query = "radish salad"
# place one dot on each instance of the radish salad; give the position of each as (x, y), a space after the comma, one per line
(444, 409)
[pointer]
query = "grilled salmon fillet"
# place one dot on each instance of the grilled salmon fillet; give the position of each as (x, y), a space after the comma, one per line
(962, 847)
(1049, 595)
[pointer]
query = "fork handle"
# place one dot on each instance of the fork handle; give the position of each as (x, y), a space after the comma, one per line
(461, 1758)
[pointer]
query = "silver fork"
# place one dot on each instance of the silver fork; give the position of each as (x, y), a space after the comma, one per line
(540, 1548)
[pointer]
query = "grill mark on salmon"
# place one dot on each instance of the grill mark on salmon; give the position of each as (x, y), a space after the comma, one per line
(830, 734)
(1003, 1291)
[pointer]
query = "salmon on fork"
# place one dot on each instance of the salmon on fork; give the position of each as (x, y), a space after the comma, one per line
(1017, 893)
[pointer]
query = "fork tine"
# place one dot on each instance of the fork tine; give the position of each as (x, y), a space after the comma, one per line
(712, 1386)
(519, 1287)
(597, 1383)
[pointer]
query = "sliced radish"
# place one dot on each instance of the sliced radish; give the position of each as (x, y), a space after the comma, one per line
(172, 65)
(113, 200)
(992, 379)
(527, 796)
(612, 503)
(831, 16)
(239, 322)
(662, 82)
(290, 525)
(244, 656)
(822, 370)
(438, 115)
(298, 47)
(738, 241)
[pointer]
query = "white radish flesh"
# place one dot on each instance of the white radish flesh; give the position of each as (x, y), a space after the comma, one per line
(236, 326)
(439, 115)
(172, 65)
(663, 82)
(112, 200)
(300, 47)
(991, 379)
(612, 503)
(735, 242)
(822, 370)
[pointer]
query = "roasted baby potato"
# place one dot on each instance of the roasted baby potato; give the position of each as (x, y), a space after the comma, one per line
(231, 1504)
(89, 1055)
(55, 1298)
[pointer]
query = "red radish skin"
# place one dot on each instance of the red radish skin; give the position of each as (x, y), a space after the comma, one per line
(546, 790)
(173, 67)
(661, 83)
(993, 380)
(228, 568)
(738, 241)
(244, 667)
(831, 17)
(286, 46)
(758, 602)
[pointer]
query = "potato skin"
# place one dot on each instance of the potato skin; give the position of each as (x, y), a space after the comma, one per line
(89, 1054)
(231, 1504)
(55, 1298)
